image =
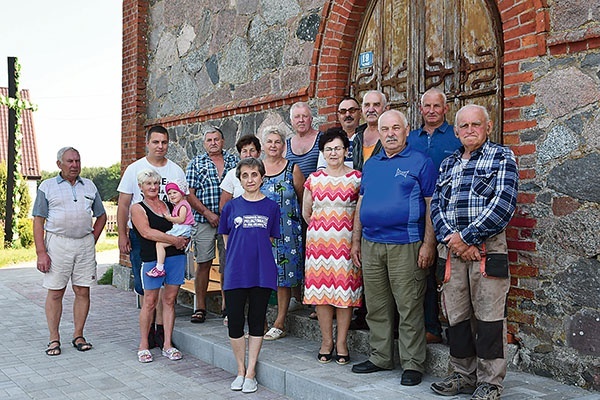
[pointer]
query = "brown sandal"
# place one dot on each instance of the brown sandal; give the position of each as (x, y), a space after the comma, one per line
(199, 316)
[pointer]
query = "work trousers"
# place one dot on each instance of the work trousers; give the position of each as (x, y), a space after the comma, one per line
(476, 310)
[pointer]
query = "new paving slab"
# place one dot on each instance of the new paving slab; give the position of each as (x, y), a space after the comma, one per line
(287, 367)
(110, 370)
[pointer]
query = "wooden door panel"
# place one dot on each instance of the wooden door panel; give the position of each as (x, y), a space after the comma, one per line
(453, 45)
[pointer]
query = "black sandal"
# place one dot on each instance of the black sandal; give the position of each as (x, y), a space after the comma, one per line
(83, 346)
(53, 351)
(342, 359)
(199, 316)
(325, 357)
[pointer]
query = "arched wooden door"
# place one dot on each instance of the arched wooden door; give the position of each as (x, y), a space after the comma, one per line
(454, 45)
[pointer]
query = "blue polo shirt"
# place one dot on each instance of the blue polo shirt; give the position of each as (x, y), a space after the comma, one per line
(393, 189)
(438, 146)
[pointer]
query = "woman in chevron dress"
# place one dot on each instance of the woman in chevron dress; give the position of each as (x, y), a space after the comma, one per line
(331, 282)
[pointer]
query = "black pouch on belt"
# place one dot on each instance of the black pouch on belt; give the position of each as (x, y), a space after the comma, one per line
(496, 265)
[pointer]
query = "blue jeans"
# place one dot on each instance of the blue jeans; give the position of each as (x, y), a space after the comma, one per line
(136, 262)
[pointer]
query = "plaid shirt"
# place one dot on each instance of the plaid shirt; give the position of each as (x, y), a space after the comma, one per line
(202, 175)
(476, 198)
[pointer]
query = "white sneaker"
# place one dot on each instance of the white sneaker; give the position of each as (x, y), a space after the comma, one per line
(250, 386)
(238, 383)
(295, 305)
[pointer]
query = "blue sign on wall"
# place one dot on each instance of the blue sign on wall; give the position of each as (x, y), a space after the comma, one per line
(365, 60)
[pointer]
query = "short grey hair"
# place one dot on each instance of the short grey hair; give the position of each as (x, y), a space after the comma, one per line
(300, 104)
(395, 112)
(434, 91)
(272, 130)
(148, 175)
(467, 106)
(381, 95)
(212, 129)
(61, 152)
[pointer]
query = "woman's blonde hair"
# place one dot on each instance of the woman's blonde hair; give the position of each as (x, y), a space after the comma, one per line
(148, 175)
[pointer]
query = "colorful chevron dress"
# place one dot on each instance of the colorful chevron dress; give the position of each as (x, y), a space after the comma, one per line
(330, 278)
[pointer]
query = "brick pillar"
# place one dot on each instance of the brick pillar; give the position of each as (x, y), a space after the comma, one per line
(133, 104)
(134, 69)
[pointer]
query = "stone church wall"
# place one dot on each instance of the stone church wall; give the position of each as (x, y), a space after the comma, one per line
(241, 64)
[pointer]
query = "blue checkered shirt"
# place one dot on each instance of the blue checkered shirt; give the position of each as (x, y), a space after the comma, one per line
(476, 199)
(202, 175)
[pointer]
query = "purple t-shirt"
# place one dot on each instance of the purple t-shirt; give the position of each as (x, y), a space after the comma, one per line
(250, 225)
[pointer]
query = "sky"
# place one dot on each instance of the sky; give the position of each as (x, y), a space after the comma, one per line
(70, 56)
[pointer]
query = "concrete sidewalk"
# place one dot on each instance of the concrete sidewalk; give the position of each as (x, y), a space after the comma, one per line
(111, 371)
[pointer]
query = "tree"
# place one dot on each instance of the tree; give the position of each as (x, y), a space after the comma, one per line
(107, 181)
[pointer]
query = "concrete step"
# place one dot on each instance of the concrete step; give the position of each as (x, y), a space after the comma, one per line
(289, 365)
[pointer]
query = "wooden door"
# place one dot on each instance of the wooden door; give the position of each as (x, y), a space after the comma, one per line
(454, 45)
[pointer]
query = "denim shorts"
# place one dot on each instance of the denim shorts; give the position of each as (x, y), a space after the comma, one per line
(174, 269)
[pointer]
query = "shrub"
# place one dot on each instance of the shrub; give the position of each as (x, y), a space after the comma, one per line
(26, 232)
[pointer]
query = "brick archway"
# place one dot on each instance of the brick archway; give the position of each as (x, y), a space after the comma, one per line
(525, 28)
(524, 31)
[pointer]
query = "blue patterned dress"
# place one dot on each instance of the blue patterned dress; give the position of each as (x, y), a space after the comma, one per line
(288, 250)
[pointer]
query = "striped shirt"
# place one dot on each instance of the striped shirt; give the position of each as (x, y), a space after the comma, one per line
(475, 197)
(202, 175)
(307, 162)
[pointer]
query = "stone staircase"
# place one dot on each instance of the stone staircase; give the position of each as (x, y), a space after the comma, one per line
(289, 365)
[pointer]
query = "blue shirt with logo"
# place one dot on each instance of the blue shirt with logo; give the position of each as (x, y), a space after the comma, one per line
(394, 191)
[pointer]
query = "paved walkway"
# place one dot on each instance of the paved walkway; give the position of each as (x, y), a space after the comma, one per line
(111, 370)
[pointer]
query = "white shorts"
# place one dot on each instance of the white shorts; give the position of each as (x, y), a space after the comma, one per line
(180, 230)
(70, 258)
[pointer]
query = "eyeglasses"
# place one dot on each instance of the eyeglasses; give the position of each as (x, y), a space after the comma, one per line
(350, 110)
(337, 149)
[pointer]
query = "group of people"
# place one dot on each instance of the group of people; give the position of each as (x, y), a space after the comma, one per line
(374, 218)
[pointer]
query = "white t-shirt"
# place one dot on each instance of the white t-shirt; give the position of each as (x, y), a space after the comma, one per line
(231, 184)
(129, 185)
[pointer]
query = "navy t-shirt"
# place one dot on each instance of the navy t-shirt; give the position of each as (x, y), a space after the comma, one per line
(394, 190)
(249, 226)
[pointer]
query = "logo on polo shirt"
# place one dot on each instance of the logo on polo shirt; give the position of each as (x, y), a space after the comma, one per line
(400, 172)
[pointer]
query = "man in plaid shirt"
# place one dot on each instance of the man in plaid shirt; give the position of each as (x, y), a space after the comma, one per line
(474, 199)
(204, 175)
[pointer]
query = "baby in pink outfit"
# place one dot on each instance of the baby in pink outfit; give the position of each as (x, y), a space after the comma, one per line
(182, 219)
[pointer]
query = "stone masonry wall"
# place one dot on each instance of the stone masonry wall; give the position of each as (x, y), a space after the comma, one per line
(204, 54)
(561, 321)
(241, 64)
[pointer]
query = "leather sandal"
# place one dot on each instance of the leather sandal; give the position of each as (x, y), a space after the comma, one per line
(81, 346)
(54, 350)
(199, 316)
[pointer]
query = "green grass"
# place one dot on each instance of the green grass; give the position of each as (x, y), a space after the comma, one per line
(16, 256)
(107, 277)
